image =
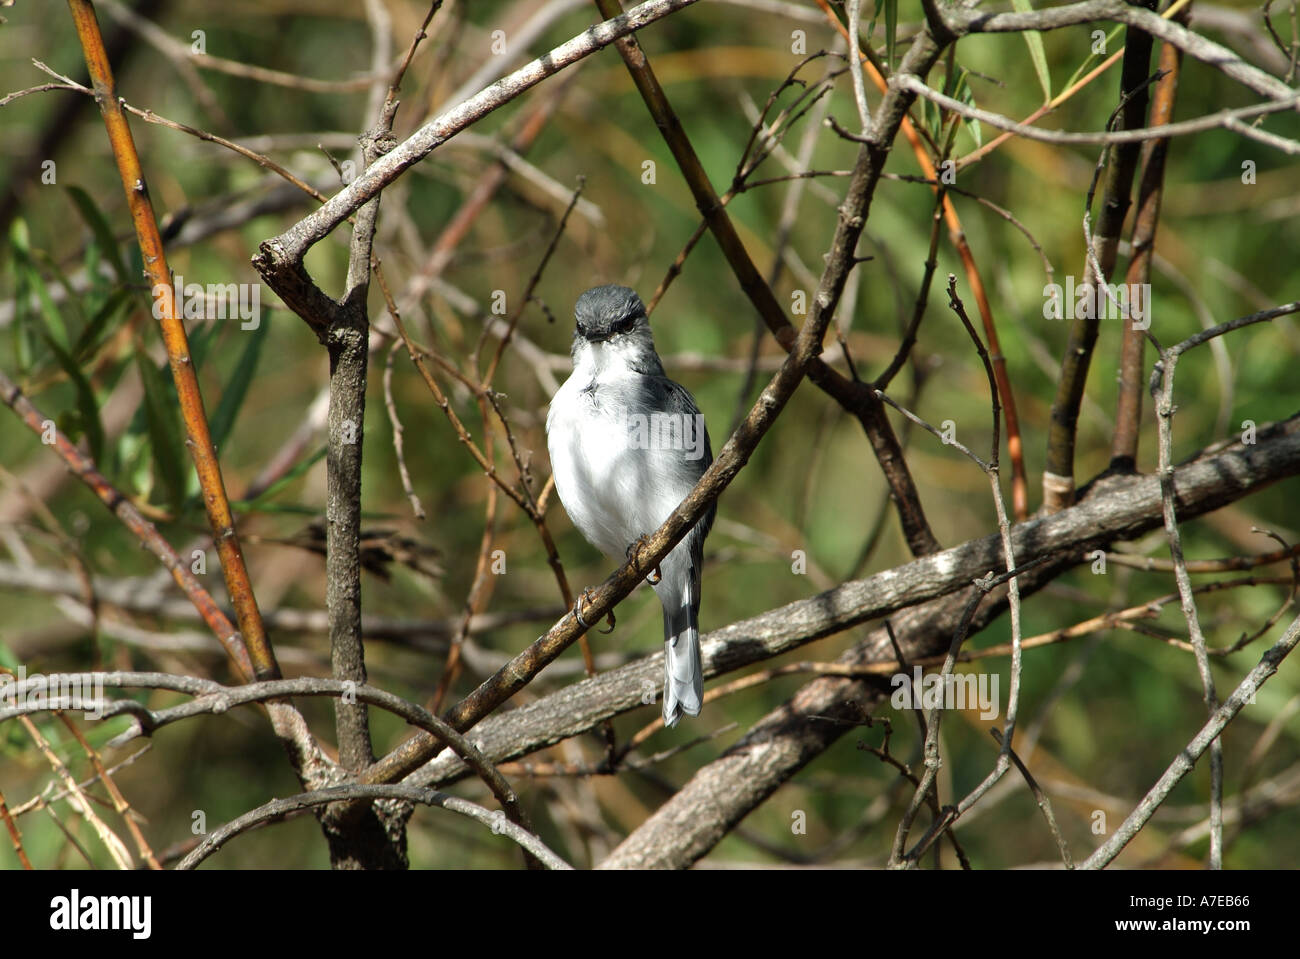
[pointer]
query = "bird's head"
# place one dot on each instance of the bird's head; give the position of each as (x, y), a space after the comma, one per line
(612, 326)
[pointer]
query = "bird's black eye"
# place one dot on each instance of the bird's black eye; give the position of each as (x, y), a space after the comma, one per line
(625, 325)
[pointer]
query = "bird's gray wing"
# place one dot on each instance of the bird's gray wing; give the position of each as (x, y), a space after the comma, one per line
(666, 396)
(679, 589)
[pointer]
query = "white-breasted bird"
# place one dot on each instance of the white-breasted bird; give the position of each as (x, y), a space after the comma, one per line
(627, 445)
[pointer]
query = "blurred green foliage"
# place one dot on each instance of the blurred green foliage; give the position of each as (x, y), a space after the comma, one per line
(78, 333)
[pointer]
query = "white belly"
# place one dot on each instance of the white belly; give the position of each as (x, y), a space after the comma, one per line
(608, 486)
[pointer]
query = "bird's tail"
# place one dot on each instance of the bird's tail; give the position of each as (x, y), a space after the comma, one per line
(683, 673)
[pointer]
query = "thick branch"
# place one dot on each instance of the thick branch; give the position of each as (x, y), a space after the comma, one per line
(1113, 509)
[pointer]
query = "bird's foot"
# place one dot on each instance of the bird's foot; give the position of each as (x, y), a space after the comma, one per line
(655, 576)
(585, 596)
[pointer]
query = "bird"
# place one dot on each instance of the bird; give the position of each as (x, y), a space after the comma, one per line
(627, 444)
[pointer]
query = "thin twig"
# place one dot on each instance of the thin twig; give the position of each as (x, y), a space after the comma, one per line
(15, 836)
(1228, 119)
(279, 808)
(1188, 755)
(398, 430)
(1043, 802)
(1164, 419)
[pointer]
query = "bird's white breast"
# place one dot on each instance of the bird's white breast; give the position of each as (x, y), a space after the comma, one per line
(608, 487)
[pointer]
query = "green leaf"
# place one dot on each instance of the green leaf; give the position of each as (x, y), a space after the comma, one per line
(967, 96)
(29, 281)
(293, 509)
(72, 299)
(1093, 57)
(87, 405)
(99, 227)
(891, 32)
(298, 470)
(8, 659)
(24, 349)
(232, 398)
(302, 509)
(200, 338)
(164, 432)
(1034, 40)
(92, 336)
(19, 238)
(49, 312)
(870, 30)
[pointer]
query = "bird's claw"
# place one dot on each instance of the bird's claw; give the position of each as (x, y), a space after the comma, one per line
(585, 596)
(655, 576)
(577, 607)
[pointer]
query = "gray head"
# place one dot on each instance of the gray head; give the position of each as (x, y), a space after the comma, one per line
(612, 323)
(606, 311)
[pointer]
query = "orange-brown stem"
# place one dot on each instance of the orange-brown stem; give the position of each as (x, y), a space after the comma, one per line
(1015, 449)
(178, 353)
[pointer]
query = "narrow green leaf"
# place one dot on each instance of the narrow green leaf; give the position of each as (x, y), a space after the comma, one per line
(891, 32)
(232, 398)
(298, 470)
(200, 338)
(164, 432)
(30, 281)
(870, 30)
(1034, 40)
(967, 96)
(19, 239)
(24, 349)
(48, 311)
(293, 509)
(99, 227)
(1095, 55)
(302, 509)
(87, 405)
(72, 299)
(93, 335)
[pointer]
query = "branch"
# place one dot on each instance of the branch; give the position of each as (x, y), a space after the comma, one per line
(1242, 696)
(1224, 119)
(213, 699)
(1099, 264)
(1128, 407)
(1193, 44)
(282, 253)
(280, 808)
(850, 394)
(198, 438)
(730, 460)
(120, 505)
(957, 236)
(1116, 508)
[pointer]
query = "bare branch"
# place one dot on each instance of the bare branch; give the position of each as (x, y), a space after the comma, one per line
(279, 808)
(288, 249)
(1224, 119)
(1187, 757)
